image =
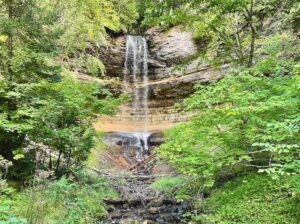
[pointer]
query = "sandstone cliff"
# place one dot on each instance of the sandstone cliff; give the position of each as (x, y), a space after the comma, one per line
(174, 69)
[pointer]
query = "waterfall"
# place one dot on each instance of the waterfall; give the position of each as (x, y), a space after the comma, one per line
(136, 77)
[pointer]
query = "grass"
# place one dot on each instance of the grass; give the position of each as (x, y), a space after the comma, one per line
(253, 199)
(65, 201)
(96, 150)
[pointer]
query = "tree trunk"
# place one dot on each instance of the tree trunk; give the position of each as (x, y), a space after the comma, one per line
(252, 48)
(50, 161)
(10, 42)
(69, 158)
(238, 40)
(253, 36)
(58, 162)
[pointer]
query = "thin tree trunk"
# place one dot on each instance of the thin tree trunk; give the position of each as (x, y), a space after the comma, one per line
(252, 48)
(10, 41)
(58, 162)
(10, 103)
(50, 161)
(253, 36)
(69, 158)
(238, 40)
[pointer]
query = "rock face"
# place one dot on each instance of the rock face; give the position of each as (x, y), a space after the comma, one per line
(172, 47)
(174, 69)
(113, 57)
(174, 65)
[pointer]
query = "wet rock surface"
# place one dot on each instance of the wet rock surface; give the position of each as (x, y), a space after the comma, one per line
(150, 75)
(130, 147)
(113, 57)
(147, 205)
(173, 70)
(167, 50)
(166, 213)
(132, 178)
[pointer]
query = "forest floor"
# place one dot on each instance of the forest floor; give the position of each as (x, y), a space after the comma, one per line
(138, 202)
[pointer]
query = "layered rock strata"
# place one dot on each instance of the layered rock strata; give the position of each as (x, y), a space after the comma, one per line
(174, 69)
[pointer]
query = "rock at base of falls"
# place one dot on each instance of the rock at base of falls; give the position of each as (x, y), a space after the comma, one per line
(133, 147)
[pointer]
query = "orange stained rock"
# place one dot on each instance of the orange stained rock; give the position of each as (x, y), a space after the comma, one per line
(122, 162)
(114, 125)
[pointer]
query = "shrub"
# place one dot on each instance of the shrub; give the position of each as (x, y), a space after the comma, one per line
(251, 199)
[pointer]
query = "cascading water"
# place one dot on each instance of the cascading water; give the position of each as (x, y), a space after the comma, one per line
(138, 201)
(136, 76)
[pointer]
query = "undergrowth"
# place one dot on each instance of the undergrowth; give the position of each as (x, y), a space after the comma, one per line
(253, 199)
(65, 201)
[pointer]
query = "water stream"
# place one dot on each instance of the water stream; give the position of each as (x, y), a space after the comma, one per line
(138, 202)
(136, 78)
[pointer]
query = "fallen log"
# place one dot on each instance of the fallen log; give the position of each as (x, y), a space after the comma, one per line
(140, 177)
(137, 202)
(141, 162)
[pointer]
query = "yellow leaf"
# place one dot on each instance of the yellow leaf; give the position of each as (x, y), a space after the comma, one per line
(3, 38)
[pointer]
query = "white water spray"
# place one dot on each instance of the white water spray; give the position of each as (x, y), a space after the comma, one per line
(136, 71)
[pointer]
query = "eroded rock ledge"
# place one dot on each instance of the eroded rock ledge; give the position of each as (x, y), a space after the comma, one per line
(174, 69)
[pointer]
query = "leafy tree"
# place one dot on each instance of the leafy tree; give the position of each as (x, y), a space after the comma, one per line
(86, 22)
(25, 61)
(245, 122)
(226, 30)
(164, 12)
(40, 103)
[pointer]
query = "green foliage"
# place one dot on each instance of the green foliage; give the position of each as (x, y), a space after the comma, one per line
(245, 122)
(250, 199)
(39, 101)
(62, 201)
(249, 120)
(226, 30)
(169, 185)
(99, 147)
(63, 123)
(85, 22)
(165, 13)
(94, 66)
(6, 203)
(275, 56)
